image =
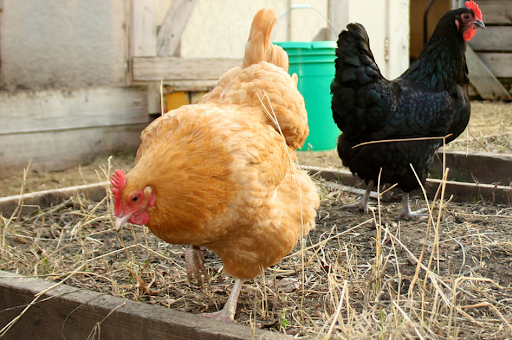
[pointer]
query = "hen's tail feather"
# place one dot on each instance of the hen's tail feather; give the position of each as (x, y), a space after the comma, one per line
(258, 47)
(355, 68)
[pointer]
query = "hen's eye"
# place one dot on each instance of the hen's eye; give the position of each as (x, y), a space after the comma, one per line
(135, 198)
(466, 16)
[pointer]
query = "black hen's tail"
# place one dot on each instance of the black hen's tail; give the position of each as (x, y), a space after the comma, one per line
(355, 89)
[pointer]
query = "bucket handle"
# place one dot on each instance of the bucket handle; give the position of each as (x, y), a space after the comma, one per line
(308, 6)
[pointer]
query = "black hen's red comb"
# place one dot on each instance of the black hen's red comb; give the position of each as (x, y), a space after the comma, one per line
(474, 7)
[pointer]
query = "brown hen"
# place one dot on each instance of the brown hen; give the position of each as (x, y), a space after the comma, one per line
(221, 174)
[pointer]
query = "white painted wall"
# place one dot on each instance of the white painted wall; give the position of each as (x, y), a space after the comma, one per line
(63, 44)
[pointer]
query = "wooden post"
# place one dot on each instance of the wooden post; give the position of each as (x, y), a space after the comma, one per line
(338, 17)
(143, 28)
(169, 34)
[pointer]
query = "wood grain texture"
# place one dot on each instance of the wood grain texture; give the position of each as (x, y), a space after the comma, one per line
(481, 167)
(173, 68)
(171, 29)
(59, 150)
(483, 79)
(500, 64)
(73, 314)
(493, 38)
(54, 110)
(39, 200)
(496, 11)
(143, 28)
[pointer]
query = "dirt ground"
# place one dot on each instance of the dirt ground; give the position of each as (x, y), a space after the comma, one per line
(366, 262)
(354, 276)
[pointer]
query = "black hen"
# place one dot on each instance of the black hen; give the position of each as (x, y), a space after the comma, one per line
(429, 100)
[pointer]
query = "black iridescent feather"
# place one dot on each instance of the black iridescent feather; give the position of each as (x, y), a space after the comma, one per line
(429, 100)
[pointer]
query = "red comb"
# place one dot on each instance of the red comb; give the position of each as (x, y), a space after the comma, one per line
(118, 181)
(474, 7)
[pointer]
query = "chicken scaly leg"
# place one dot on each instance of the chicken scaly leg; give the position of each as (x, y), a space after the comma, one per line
(406, 213)
(227, 313)
(195, 264)
(363, 203)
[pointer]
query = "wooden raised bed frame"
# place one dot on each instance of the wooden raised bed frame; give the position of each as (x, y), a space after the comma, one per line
(72, 313)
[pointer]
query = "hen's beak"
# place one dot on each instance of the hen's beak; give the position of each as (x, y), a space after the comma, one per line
(121, 221)
(479, 23)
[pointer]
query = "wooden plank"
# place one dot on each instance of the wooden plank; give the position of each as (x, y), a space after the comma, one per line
(472, 192)
(481, 167)
(143, 30)
(492, 38)
(173, 68)
(51, 110)
(42, 199)
(171, 29)
(483, 80)
(462, 191)
(337, 12)
(500, 64)
(70, 313)
(496, 11)
(58, 150)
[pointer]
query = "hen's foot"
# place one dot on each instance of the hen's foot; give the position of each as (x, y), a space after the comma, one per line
(406, 212)
(363, 203)
(227, 314)
(221, 316)
(195, 265)
(405, 215)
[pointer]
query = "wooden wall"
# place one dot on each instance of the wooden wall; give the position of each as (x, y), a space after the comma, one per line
(494, 44)
(58, 129)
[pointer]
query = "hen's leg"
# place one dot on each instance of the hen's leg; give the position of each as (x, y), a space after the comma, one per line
(195, 264)
(363, 203)
(227, 314)
(406, 212)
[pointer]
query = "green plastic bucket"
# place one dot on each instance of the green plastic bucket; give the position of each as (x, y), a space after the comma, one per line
(314, 64)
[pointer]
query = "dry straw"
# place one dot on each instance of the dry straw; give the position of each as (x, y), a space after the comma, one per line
(362, 277)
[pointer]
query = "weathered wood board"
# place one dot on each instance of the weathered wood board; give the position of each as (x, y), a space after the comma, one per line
(493, 38)
(171, 29)
(461, 191)
(37, 111)
(70, 313)
(59, 129)
(494, 45)
(500, 64)
(64, 149)
(483, 79)
(496, 11)
(475, 167)
(143, 29)
(38, 200)
(173, 68)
